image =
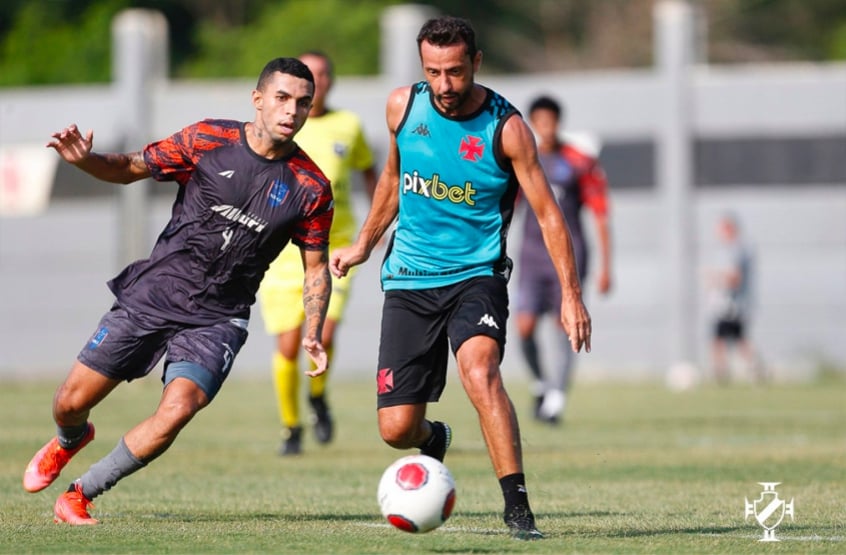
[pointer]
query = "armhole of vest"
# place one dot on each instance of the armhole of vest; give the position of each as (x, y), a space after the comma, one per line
(411, 96)
(500, 158)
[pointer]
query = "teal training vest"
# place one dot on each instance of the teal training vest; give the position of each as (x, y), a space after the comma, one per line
(456, 195)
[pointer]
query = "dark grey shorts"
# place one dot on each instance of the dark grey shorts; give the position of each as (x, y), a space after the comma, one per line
(729, 328)
(420, 326)
(127, 345)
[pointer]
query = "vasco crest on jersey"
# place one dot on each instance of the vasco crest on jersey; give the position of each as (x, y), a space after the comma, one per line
(277, 193)
(471, 148)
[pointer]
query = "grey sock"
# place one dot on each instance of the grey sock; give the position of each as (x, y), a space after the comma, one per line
(70, 436)
(564, 374)
(106, 472)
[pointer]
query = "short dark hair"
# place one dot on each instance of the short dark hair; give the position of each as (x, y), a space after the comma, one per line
(547, 103)
(447, 31)
(290, 66)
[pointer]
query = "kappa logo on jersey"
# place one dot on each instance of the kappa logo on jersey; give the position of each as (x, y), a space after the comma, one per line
(487, 320)
(237, 215)
(422, 129)
(384, 381)
(471, 148)
(227, 173)
(277, 193)
(433, 188)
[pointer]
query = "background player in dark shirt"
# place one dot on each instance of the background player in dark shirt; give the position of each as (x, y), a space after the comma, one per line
(577, 180)
(245, 190)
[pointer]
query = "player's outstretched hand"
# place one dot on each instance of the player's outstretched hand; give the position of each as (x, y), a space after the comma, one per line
(317, 354)
(576, 321)
(71, 145)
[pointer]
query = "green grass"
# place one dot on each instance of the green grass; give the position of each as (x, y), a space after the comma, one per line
(635, 469)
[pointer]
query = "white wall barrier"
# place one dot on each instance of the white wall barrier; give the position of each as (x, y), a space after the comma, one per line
(683, 142)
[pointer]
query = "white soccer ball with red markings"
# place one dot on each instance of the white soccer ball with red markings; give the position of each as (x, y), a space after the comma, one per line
(416, 493)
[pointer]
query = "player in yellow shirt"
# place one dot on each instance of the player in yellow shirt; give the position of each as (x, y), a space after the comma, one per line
(334, 139)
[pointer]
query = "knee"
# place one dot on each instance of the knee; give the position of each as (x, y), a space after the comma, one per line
(484, 387)
(176, 411)
(69, 402)
(482, 378)
(399, 435)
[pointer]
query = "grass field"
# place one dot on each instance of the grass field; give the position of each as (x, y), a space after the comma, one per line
(635, 469)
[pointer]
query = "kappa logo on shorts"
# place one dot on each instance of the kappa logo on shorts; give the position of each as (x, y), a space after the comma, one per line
(385, 381)
(487, 320)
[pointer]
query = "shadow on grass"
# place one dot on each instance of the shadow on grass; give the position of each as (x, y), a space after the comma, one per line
(194, 516)
(786, 531)
(266, 517)
(709, 530)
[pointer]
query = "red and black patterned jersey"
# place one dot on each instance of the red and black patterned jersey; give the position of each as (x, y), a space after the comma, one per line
(234, 212)
(577, 180)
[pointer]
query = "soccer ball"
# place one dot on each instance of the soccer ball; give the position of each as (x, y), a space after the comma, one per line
(416, 493)
(682, 376)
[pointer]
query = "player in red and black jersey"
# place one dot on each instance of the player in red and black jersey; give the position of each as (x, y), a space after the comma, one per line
(244, 191)
(577, 180)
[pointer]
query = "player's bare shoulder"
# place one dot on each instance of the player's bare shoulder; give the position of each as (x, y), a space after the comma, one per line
(517, 138)
(396, 106)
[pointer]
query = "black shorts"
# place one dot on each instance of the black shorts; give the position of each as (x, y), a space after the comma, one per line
(418, 328)
(729, 328)
(127, 345)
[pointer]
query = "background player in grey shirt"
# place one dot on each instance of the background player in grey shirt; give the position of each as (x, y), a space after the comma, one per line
(731, 301)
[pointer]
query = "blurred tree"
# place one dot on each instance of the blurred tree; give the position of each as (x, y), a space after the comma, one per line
(347, 31)
(47, 42)
(69, 41)
(777, 29)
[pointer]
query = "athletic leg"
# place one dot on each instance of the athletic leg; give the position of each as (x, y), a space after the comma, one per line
(720, 360)
(180, 401)
(317, 398)
(286, 381)
(478, 367)
(526, 326)
(555, 399)
(404, 426)
(532, 293)
(82, 389)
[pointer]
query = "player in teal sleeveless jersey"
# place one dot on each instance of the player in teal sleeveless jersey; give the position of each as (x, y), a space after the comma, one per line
(458, 153)
(459, 207)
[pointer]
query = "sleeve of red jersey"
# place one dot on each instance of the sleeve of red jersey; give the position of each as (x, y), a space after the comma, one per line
(593, 184)
(176, 157)
(312, 231)
(171, 159)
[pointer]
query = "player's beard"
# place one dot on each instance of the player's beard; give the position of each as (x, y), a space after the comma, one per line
(456, 101)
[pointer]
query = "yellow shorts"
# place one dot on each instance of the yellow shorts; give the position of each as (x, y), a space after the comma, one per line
(281, 294)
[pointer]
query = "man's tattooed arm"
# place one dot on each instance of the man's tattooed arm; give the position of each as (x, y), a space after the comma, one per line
(317, 289)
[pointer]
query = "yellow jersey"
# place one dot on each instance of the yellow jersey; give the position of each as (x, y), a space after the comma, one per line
(336, 143)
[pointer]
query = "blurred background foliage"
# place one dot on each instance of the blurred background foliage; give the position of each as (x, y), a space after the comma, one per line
(69, 41)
